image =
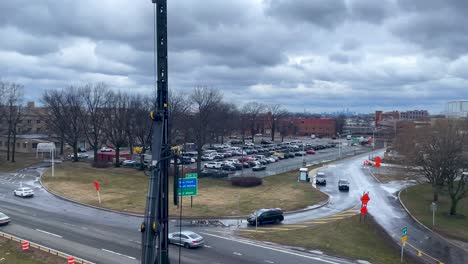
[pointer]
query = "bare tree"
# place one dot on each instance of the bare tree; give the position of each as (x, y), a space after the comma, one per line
(179, 108)
(94, 100)
(251, 113)
(65, 112)
(275, 113)
(117, 119)
(13, 94)
(205, 102)
(340, 122)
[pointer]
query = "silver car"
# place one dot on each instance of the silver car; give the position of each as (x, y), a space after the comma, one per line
(186, 238)
(4, 219)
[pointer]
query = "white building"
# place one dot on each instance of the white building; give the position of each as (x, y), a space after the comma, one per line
(456, 109)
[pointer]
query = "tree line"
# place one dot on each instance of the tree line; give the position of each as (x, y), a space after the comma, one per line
(11, 114)
(101, 115)
(440, 154)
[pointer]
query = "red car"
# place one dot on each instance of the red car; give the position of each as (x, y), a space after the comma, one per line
(246, 159)
(310, 151)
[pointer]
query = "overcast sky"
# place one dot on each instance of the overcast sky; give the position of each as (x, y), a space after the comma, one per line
(304, 54)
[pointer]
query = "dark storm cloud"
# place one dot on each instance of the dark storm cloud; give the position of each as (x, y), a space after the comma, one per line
(437, 26)
(327, 14)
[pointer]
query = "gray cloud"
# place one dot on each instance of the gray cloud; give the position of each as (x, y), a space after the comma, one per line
(361, 54)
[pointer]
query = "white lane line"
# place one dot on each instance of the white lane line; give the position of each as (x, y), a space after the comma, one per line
(138, 242)
(84, 228)
(269, 261)
(270, 248)
(45, 232)
(117, 253)
(237, 253)
(206, 246)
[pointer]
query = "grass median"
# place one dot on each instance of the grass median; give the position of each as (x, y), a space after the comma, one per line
(125, 189)
(347, 238)
(418, 199)
(22, 160)
(11, 252)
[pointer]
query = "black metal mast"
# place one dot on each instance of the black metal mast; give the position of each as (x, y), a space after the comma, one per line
(155, 226)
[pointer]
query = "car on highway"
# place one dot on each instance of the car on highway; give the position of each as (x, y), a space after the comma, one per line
(213, 165)
(263, 216)
(4, 219)
(24, 192)
(129, 163)
(343, 185)
(321, 178)
(106, 149)
(259, 168)
(186, 238)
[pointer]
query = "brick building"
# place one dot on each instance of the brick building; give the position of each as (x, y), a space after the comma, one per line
(415, 115)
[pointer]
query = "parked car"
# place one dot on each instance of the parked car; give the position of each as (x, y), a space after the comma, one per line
(213, 165)
(237, 165)
(343, 185)
(259, 168)
(310, 151)
(228, 167)
(24, 192)
(271, 159)
(262, 216)
(129, 163)
(245, 165)
(4, 219)
(211, 173)
(320, 178)
(246, 159)
(106, 149)
(188, 239)
(289, 154)
(207, 158)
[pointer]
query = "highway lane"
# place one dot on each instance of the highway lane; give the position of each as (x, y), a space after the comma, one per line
(104, 237)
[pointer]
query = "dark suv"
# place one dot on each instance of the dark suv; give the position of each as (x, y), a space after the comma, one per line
(262, 216)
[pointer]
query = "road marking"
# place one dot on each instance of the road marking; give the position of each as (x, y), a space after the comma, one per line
(270, 248)
(118, 253)
(206, 246)
(274, 228)
(331, 218)
(346, 214)
(138, 242)
(237, 253)
(52, 234)
(84, 228)
(316, 222)
(269, 261)
(295, 226)
(251, 230)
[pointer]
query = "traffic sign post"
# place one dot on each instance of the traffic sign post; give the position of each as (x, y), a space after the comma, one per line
(188, 186)
(404, 238)
(433, 209)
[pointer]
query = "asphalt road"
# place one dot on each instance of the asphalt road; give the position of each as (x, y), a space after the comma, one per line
(105, 237)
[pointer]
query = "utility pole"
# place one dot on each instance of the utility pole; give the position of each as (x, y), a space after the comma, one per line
(155, 226)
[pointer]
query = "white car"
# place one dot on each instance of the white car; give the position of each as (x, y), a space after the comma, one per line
(4, 219)
(271, 159)
(213, 165)
(129, 163)
(106, 149)
(24, 192)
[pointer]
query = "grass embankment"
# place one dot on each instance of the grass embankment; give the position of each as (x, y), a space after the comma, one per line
(125, 189)
(11, 252)
(418, 199)
(22, 160)
(346, 238)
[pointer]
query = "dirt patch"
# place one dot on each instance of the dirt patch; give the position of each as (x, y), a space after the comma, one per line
(11, 252)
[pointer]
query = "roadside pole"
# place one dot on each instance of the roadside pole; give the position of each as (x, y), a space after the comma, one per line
(433, 209)
(404, 238)
(402, 246)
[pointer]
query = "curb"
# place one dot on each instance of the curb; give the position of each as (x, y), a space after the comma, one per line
(44, 248)
(423, 225)
(175, 217)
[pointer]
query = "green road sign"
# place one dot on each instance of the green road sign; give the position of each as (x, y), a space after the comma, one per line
(355, 140)
(188, 187)
(404, 231)
(191, 175)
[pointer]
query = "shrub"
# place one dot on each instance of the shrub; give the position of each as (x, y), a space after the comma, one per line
(101, 164)
(246, 181)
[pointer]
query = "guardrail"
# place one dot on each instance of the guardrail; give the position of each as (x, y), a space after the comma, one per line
(45, 249)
